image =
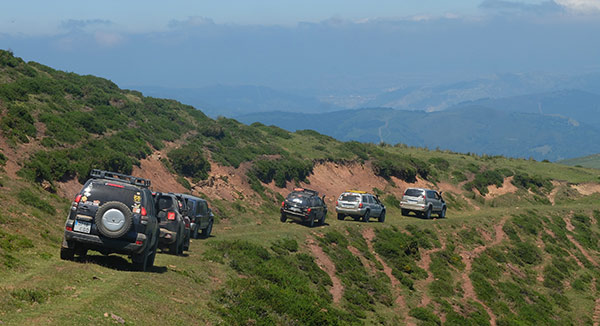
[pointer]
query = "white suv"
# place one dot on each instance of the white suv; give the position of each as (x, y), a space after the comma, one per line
(423, 202)
(359, 205)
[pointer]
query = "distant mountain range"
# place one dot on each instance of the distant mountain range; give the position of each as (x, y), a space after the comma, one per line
(230, 101)
(553, 126)
(233, 101)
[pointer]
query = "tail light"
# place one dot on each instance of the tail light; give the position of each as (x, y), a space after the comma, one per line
(360, 205)
(143, 211)
(114, 185)
(171, 216)
(337, 203)
(308, 211)
(69, 228)
(283, 203)
(78, 198)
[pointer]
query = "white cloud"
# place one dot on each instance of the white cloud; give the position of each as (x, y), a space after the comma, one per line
(108, 39)
(582, 6)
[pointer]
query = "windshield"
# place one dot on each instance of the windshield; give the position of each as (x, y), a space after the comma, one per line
(413, 192)
(349, 197)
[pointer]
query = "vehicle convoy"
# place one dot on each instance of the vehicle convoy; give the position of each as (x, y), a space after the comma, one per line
(173, 233)
(200, 215)
(304, 205)
(359, 205)
(423, 202)
(113, 213)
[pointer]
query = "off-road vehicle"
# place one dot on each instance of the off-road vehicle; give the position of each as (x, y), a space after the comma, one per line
(359, 205)
(113, 213)
(200, 215)
(423, 202)
(304, 205)
(173, 232)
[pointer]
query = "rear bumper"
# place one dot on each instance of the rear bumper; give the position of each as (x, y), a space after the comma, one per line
(413, 207)
(166, 237)
(298, 216)
(351, 211)
(103, 244)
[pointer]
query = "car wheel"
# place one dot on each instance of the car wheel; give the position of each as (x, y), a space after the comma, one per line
(195, 231)
(206, 232)
(174, 247)
(113, 219)
(428, 213)
(283, 218)
(311, 221)
(140, 261)
(322, 220)
(152, 256)
(442, 214)
(366, 217)
(67, 253)
(186, 244)
(405, 212)
(81, 251)
(340, 217)
(382, 217)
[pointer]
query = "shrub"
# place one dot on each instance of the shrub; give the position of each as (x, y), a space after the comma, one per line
(282, 170)
(439, 163)
(189, 161)
(27, 197)
(18, 123)
(426, 315)
(486, 178)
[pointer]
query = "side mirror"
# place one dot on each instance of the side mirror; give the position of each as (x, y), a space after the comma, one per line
(323, 198)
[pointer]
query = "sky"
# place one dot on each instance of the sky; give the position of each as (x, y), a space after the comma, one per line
(336, 45)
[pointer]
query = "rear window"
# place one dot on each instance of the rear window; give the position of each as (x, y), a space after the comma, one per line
(98, 193)
(413, 192)
(298, 198)
(350, 197)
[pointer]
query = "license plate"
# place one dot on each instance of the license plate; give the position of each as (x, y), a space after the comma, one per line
(295, 209)
(83, 227)
(412, 201)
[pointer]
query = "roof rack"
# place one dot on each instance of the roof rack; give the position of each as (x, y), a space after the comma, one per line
(101, 174)
(357, 191)
(316, 193)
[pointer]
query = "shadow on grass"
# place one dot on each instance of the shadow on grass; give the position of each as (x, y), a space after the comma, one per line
(118, 263)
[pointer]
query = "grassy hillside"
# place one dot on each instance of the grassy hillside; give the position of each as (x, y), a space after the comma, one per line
(520, 245)
(591, 161)
(472, 128)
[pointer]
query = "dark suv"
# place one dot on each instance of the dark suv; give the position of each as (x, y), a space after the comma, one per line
(113, 213)
(304, 205)
(174, 226)
(200, 215)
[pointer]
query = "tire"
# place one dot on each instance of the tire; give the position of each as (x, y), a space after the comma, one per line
(366, 217)
(195, 232)
(206, 232)
(140, 261)
(150, 262)
(405, 212)
(340, 217)
(442, 213)
(322, 220)
(113, 219)
(81, 251)
(311, 221)
(382, 217)
(67, 253)
(174, 248)
(283, 218)
(428, 213)
(186, 244)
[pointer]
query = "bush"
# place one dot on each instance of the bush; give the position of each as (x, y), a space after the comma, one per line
(189, 161)
(282, 170)
(426, 315)
(18, 124)
(486, 178)
(524, 181)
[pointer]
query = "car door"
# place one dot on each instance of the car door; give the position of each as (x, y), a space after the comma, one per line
(435, 201)
(378, 205)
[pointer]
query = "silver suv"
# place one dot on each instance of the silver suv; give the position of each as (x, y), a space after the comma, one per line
(423, 202)
(359, 205)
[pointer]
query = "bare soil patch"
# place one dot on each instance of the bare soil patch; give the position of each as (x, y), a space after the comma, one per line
(506, 188)
(162, 180)
(587, 189)
(325, 263)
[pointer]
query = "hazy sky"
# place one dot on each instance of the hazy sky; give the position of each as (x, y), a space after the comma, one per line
(340, 44)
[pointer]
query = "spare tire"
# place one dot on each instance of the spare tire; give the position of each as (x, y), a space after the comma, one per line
(113, 219)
